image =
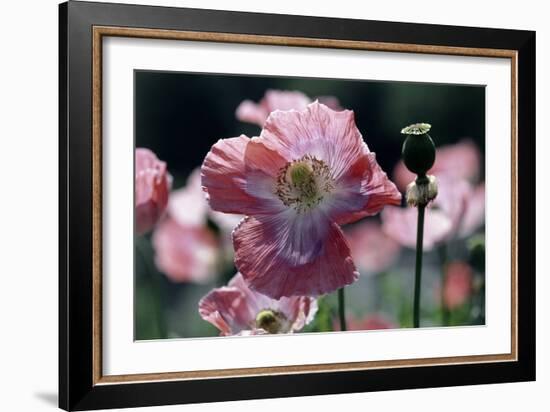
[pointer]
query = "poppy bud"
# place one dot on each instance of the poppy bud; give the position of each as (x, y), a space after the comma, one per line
(421, 191)
(418, 149)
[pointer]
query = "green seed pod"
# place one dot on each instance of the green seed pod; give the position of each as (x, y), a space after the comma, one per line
(418, 149)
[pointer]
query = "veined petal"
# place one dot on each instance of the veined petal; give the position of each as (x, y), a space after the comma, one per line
(280, 256)
(238, 176)
(262, 165)
(298, 310)
(381, 190)
(224, 178)
(363, 191)
(316, 131)
(227, 309)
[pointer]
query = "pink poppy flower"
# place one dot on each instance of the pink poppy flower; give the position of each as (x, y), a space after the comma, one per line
(373, 251)
(153, 183)
(307, 173)
(257, 113)
(373, 321)
(459, 161)
(185, 253)
(458, 284)
(235, 309)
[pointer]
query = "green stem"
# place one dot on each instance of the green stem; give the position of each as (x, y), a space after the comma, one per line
(342, 309)
(445, 314)
(418, 266)
(155, 279)
(379, 281)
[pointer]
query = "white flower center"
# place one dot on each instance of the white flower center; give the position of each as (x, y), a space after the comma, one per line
(303, 183)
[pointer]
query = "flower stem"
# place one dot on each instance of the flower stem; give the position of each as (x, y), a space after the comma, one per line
(156, 285)
(445, 314)
(418, 266)
(342, 309)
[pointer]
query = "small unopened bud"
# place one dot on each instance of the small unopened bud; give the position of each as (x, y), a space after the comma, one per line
(421, 191)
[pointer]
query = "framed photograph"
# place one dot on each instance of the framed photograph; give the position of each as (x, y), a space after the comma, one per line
(257, 205)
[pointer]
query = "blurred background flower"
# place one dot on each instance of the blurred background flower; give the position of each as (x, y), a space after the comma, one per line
(186, 248)
(185, 253)
(153, 183)
(400, 223)
(373, 251)
(457, 285)
(257, 113)
(373, 321)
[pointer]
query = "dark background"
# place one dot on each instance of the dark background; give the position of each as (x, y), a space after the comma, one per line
(179, 115)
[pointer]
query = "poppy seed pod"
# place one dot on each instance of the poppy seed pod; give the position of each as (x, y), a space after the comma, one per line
(418, 149)
(422, 191)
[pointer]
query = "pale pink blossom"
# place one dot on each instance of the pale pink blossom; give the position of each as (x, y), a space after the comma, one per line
(458, 284)
(373, 251)
(400, 224)
(235, 309)
(186, 250)
(153, 183)
(257, 113)
(458, 161)
(307, 173)
(185, 253)
(463, 204)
